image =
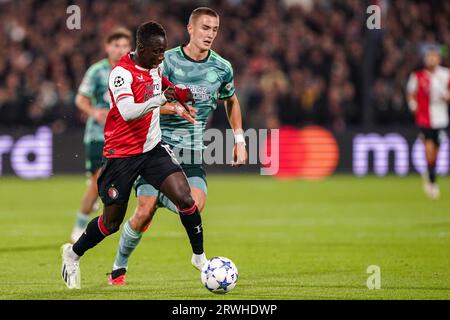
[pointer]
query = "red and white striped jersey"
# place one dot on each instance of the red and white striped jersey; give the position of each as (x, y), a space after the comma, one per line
(133, 137)
(430, 90)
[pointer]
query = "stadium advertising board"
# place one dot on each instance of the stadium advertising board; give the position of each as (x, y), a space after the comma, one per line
(311, 153)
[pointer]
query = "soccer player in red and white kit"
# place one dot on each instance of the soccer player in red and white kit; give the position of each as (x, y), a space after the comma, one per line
(133, 147)
(428, 95)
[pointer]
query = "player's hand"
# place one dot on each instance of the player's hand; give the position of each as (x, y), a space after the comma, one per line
(100, 115)
(190, 108)
(169, 93)
(239, 155)
(184, 95)
(181, 111)
(188, 96)
(412, 104)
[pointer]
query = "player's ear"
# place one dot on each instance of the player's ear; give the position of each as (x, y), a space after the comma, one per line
(106, 47)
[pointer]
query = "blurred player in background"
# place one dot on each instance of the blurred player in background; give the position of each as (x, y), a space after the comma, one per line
(93, 100)
(428, 95)
(209, 77)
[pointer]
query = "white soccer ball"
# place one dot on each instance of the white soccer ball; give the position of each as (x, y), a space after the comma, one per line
(219, 275)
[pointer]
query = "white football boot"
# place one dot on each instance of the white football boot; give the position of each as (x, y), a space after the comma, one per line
(430, 189)
(435, 193)
(70, 271)
(198, 261)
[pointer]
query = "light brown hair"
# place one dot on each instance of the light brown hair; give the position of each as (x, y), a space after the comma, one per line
(202, 11)
(119, 33)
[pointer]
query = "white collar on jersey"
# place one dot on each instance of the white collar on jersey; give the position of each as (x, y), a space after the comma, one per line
(139, 67)
(142, 68)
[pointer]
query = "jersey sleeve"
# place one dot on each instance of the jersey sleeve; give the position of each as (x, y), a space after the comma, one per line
(87, 86)
(119, 84)
(165, 69)
(411, 86)
(227, 89)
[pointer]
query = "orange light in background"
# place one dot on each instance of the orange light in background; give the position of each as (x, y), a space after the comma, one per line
(311, 153)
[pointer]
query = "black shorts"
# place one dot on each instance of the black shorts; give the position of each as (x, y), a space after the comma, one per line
(118, 174)
(192, 169)
(431, 134)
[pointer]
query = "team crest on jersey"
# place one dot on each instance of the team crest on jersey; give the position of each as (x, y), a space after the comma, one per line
(211, 76)
(118, 81)
(113, 193)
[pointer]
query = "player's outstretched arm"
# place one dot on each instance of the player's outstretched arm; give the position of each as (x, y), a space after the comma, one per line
(131, 110)
(176, 108)
(84, 104)
(120, 80)
(233, 109)
(182, 95)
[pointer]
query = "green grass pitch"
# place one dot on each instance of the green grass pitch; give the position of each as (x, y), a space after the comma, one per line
(289, 239)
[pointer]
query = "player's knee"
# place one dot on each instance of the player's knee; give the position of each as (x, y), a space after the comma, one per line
(146, 205)
(111, 226)
(112, 217)
(185, 201)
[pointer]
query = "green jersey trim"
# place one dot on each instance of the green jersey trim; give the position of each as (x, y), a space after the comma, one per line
(224, 61)
(228, 97)
(192, 60)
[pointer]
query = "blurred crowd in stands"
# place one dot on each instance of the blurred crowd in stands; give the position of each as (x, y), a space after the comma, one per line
(295, 62)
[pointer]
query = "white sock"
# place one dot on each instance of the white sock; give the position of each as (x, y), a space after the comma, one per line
(72, 254)
(199, 257)
(81, 220)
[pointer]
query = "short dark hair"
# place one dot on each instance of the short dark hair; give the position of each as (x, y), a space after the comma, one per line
(118, 33)
(147, 31)
(202, 11)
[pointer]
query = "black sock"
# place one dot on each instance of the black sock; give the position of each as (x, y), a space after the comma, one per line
(118, 272)
(432, 172)
(192, 222)
(89, 239)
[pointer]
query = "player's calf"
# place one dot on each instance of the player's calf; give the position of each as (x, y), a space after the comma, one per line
(113, 218)
(100, 227)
